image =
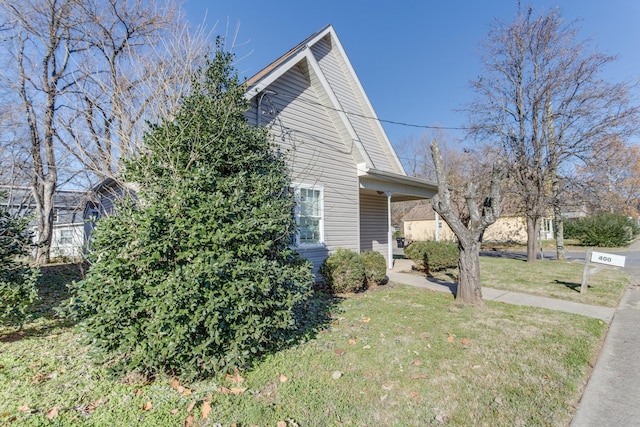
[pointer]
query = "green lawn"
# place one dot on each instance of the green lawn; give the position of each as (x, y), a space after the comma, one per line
(393, 356)
(554, 279)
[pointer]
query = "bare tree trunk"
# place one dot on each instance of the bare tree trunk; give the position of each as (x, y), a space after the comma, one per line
(43, 193)
(533, 227)
(469, 288)
(481, 216)
(558, 228)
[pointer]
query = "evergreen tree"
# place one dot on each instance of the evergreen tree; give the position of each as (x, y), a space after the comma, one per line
(198, 276)
(18, 281)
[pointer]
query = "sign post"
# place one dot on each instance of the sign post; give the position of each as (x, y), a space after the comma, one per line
(598, 258)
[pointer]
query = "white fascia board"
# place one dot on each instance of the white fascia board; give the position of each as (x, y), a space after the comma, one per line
(276, 73)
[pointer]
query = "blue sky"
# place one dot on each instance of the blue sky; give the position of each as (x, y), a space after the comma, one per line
(415, 59)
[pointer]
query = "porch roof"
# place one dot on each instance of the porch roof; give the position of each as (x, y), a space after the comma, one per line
(401, 187)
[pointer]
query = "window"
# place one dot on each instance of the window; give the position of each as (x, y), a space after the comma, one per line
(66, 237)
(309, 212)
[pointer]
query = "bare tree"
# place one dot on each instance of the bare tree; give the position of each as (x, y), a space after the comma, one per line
(42, 41)
(610, 183)
(468, 228)
(139, 64)
(87, 74)
(542, 100)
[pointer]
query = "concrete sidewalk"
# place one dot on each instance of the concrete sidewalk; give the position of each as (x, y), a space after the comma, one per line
(398, 275)
(612, 395)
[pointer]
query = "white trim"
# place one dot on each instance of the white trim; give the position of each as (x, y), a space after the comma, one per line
(320, 189)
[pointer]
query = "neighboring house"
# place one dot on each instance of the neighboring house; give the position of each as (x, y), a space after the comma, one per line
(101, 201)
(421, 222)
(343, 169)
(68, 226)
(342, 165)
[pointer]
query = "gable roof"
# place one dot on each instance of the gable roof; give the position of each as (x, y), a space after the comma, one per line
(374, 149)
(330, 72)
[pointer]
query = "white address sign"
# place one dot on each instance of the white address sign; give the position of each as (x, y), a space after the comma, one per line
(610, 259)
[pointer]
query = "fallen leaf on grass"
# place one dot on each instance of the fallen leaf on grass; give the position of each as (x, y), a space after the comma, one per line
(451, 338)
(93, 405)
(281, 424)
(138, 392)
(191, 406)
(236, 378)
(339, 351)
(24, 408)
(189, 421)
(365, 320)
(283, 378)
(352, 341)
(465, 341)
(174, 411)
(206, 410)
(416, 362)
(52, 413)
(336, 374)
(147, 406)
(234, 390)
(415, 394)
(38, 378)
(419, 377)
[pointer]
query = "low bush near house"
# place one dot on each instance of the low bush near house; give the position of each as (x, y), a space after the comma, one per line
(375, 267)
(344, 271)
(433, 256)
(603, 230)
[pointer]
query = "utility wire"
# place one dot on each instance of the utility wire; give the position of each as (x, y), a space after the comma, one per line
(393, 122)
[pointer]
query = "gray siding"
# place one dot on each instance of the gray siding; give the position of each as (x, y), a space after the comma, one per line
(350, 98)
(317, 154)
(374, 224)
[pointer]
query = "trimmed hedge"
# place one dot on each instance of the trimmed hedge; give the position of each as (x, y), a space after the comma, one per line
(344, 271)
(375, 267)
(603, 230)
(433, 256)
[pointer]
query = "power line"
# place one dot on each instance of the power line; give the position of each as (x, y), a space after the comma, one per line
(393, 122)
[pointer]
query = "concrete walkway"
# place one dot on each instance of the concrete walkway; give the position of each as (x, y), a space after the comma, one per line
(612, 395)
(399, 275)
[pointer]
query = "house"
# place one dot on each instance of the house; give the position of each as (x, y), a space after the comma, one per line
(68, 237)
(101, 201)
(343, 168)
(422, 223)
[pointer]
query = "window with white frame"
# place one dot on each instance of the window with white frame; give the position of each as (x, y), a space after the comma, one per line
(309, 214)
(66, 237)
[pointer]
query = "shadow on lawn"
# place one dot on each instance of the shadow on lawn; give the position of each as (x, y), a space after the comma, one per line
(53, 291)
(571, 285)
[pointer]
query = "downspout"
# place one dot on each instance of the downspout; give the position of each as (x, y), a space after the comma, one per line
(390, 233)
(437, 227)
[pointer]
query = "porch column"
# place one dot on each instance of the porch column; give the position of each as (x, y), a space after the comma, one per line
(390, 237)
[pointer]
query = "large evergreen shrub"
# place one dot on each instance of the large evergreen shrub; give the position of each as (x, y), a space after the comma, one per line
(18, 281)
(433, 256)
(603, 230)
(198, 277)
